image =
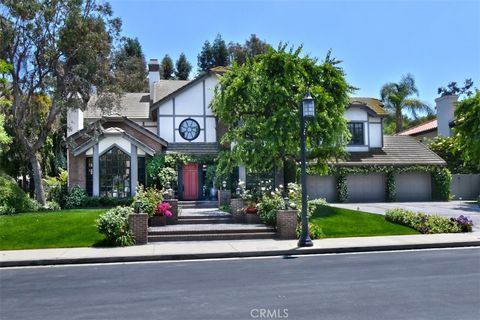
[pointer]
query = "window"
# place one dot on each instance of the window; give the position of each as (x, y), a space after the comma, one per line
(89, 176)
(115, 174)
(189, 129)
(356, 130)
(142, 174)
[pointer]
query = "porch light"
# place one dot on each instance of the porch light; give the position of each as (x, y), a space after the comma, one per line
(138, 206)
(308, 106)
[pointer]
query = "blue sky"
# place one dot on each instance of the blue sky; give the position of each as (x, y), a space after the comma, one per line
(378, 41)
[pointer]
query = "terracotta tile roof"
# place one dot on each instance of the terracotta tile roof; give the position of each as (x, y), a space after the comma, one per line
(424, 127)
(373, 104)
(397, 151)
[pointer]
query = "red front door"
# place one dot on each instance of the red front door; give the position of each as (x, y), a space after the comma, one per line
(190, 181)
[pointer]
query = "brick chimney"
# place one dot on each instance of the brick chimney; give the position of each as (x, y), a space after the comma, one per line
(153, 76)
(445, 114)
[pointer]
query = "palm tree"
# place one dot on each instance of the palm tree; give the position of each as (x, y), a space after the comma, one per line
(395, 97)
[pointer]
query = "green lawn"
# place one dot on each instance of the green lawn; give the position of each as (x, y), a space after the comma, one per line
(338, 222)
(59, 229)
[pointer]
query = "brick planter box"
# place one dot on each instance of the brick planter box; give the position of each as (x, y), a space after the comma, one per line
(224, 197)
(174, 209)
(237, 206)
(138, 224)
(287, 224)
(252, 218)
(157, 221)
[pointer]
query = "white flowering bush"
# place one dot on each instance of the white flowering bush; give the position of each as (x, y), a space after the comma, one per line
(114, 225)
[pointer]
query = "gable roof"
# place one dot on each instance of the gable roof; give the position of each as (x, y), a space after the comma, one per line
(164, 88)
(421, 128)
(396, 151)
(201, 77)
(372, 104)
(133, 105)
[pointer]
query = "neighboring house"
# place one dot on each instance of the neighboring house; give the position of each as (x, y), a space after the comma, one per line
(442, 126)
(110, 151)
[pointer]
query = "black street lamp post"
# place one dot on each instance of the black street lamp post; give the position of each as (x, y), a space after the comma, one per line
(307, 110)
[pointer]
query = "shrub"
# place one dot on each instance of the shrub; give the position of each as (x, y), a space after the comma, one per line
(12, 197)
(56, 188)
(342, 189)
(314, 204)
(314, 231)
(114, 225)
(75, 198)
(464, 222)
(268, 205)
(93, 202)
(427, 223)
(150, 198)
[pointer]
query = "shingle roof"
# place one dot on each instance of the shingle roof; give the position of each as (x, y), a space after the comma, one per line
(424, 127)
(373, 104)
(397, 151)
(165, 87)
(132, 105)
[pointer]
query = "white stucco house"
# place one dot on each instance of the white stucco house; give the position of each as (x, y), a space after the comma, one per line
(175, 116)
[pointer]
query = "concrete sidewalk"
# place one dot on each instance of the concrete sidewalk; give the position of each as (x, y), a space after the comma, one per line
(231, 249)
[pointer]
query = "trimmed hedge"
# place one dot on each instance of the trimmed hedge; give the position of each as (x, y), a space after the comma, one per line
(428, 223)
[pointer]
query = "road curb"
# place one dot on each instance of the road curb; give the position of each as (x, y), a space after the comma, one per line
(239, 254)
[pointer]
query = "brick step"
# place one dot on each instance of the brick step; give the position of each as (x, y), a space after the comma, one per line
(197, 204)
(205, 220)
(205, 216)
(203, 236)
(211, 229)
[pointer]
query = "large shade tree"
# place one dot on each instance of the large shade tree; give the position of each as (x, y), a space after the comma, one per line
(467, 128)
(259, 104)
(61, 53)
(397, 98)
(130, 66)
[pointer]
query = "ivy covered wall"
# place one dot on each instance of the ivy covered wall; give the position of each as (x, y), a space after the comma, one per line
(441, 178)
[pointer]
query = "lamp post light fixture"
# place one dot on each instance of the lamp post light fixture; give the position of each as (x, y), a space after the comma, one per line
(138, 206)
(307, 110)
(224, 184)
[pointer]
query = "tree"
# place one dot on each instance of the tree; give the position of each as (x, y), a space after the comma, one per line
(467, 128)
(453, 89)
(5, 102)
(205, 57)
(252, 47)
(447, 148)
(166, 68)
(61, 53)
(130, 66)
(220, 52)
(183, 68)
(259, 104)
(395, 97)
(213, 55)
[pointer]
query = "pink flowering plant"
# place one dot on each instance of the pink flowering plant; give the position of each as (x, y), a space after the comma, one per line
(163, 209)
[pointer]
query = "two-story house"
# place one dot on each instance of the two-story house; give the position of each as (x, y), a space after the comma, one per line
(109, 152)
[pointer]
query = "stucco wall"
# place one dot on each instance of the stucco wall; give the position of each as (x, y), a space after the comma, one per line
(193, 102)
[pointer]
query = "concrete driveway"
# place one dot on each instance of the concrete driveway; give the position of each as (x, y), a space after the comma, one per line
(447, 209)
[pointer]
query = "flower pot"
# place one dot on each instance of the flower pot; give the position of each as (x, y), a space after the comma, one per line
(252, 218)
(158, 221)
(251, 210)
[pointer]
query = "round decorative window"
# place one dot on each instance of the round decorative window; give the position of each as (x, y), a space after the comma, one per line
(189, 129)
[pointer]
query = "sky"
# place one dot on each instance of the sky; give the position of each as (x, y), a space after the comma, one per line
(378, 41)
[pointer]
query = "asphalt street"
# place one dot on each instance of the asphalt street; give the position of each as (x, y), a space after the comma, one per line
(428, 284)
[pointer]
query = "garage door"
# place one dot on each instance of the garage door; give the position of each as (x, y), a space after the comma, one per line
(322, 187)
(413, 186)
(366, 187)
